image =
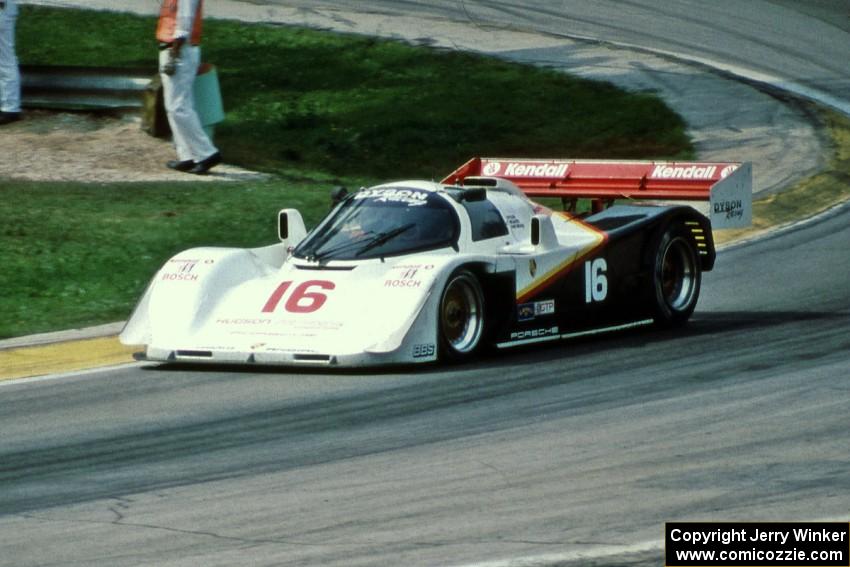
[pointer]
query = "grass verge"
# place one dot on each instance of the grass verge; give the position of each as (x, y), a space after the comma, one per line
(77, 254)
(353, 105)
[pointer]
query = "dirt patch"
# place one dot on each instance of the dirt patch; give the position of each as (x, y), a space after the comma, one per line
(93, 147)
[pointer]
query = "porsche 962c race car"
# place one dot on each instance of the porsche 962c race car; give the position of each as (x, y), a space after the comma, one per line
(415, 271)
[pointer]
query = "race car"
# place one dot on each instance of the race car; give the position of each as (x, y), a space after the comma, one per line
(416, 271)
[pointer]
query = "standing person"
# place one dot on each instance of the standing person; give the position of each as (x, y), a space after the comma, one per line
(10, 75)
(179, 34)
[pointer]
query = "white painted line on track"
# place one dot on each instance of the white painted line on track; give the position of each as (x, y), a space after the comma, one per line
(595, 552)
(782, 229)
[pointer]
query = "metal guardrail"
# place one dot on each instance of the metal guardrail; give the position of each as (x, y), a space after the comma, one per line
(84, 88)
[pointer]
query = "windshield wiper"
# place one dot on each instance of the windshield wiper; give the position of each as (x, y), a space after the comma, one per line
(311, 251)
(383, 237)
(371, 240)
(318, 256)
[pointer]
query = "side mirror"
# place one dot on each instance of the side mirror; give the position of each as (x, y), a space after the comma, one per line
(338, 195)
(283, 226)
(290, 227)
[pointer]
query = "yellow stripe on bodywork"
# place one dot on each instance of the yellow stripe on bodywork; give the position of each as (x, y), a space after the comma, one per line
(563, 268)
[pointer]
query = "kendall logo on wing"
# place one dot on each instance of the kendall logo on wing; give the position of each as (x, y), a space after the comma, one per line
(684, 172)
(514, 169)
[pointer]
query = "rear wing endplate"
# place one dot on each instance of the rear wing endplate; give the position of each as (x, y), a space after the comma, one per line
(728, 187)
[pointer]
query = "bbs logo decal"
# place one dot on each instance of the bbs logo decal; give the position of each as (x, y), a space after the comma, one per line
(422, 351)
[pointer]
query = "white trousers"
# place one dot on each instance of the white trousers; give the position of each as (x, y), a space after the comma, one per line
(190, 140)
(10, 76)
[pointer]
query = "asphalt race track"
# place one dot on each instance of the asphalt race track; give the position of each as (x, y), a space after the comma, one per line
(801, 46)
(575, 453)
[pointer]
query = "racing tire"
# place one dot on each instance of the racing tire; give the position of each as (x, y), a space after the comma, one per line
(676, 277)
(460, 319)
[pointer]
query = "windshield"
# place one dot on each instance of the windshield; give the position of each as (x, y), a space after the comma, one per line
(373, 223)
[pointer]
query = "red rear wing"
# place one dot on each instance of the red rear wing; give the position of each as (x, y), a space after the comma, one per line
(727, 186)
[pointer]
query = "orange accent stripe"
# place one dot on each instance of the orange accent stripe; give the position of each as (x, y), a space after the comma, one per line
(567, 266)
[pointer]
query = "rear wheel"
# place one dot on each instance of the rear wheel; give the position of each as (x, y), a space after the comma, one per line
(676, 277)
(461, 316)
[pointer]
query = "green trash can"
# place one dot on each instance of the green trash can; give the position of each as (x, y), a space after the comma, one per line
(208, 102)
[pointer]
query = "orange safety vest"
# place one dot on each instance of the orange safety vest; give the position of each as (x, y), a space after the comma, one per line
(168, 22)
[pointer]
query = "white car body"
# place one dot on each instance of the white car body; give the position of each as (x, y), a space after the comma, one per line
(267, 306)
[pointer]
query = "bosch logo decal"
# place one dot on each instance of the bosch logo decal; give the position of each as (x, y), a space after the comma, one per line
(407, 275)
(402, 283)
(182, 277)
(184, 271)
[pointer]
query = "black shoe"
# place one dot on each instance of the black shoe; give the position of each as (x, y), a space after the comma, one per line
(184, 165)
(207, 164)
(9, 117)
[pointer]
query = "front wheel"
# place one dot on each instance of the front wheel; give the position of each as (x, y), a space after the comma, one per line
(461, 316)
(676, 277)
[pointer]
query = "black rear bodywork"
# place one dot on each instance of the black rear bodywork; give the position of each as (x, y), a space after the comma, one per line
(633, 234)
